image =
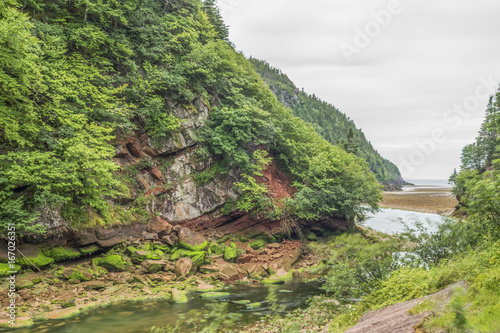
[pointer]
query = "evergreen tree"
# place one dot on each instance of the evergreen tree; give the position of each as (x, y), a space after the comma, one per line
(351, 145)
(213, 12)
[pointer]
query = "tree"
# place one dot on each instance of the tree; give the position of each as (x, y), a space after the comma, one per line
(216, 19)
(351, 145)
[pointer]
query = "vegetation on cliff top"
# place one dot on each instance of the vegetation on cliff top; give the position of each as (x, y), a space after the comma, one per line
(74, 73)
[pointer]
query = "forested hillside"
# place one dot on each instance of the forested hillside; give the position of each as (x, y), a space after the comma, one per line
(78, 78)
(328, 121)
(478, 182)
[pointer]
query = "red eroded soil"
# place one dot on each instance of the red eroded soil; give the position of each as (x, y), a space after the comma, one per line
(279, 184)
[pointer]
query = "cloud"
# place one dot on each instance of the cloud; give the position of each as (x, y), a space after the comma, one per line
(398, 88)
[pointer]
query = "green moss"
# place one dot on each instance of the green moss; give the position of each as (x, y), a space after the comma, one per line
(179, 297)
(268, 238)
(140, 256)
(230, 253)
(113, 262)
(198, 259)
(39, 261)
(242, 302)
(154, 267)
(180, 253)
(68, 304)
(310, 236)
(165, 248)
(5, 269)
(188, 247)
(61, 253)
(159, 253)
(131, 250)
(78, 275)
(258, 244)
(216, 248)
(214, 295)
(223, 239)
(87, 250)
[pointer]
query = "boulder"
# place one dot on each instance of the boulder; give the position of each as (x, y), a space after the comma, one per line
(169, 239)
(159, 226)
(258, 244)
(183, 266)
(153, 266)
(77, 274)
(230, 272)
(139, 256)
(190, 240)
(113, 263)
(204, 287)
(179, 296)
(231, 253)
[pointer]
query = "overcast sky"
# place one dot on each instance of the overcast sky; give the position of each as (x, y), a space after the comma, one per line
(413, 71)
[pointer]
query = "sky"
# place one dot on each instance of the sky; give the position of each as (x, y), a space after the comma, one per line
(415, 76)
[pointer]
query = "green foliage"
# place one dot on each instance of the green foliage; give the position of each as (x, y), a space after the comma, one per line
(75, 73)
(451, 237)
(476, 185)
(358, 265)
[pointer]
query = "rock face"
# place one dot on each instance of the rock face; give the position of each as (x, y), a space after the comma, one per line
(162, 182)
(395, 318)
(159, 226)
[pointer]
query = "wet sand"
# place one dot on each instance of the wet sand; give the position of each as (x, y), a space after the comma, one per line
(425, 199)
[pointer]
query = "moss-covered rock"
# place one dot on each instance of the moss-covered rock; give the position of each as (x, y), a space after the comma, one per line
(217, 249)
(88, 250)
(214, 295)
(112, 263)
(179, 296)
(258, 244)
(131, 250)
(231, 253)
(77, 274)
(199, 259)
(223, 239)
(163, 247)
(140, 255)
(242, 302)
(39, 261)
(153, 266)
(6, 269)
(310, 236)
(61, 253)
(159, 253)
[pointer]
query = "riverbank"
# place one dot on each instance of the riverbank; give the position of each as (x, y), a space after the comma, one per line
(424, 199)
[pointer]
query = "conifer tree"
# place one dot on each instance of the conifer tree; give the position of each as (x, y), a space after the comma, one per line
(216, 19)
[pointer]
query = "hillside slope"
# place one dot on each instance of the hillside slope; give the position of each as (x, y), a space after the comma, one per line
(114, 113)
(328, 121)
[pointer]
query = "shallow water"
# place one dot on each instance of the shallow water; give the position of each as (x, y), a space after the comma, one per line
(389, 220)
(194, 316)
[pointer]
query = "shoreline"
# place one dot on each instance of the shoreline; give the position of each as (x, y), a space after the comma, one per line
(423, 199)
